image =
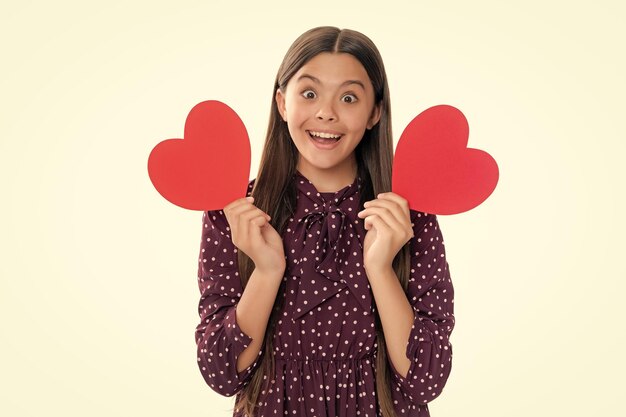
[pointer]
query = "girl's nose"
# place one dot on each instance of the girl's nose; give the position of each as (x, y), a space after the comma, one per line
(326, 112)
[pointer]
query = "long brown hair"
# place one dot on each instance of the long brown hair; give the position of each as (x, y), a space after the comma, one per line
(275, 193)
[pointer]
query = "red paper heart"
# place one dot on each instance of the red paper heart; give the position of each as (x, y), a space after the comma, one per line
(433, 168)
(210, 167)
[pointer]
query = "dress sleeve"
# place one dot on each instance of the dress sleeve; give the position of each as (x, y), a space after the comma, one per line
(431, 294)
(219, 339)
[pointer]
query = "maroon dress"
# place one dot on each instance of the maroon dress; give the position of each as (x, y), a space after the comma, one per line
(325, 341)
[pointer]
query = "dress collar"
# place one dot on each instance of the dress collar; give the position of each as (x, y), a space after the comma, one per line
(327, 236)
(308, 189)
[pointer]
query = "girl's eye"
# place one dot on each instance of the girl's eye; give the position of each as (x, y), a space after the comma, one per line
(308, 94)
(349, 98)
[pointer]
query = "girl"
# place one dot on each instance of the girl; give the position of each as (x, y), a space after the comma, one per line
(323, 294)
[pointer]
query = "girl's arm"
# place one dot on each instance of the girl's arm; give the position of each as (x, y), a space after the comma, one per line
(253, 312)
(227, 353)
(418, 325)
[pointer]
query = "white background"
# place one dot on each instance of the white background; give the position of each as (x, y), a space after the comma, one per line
(98, 296)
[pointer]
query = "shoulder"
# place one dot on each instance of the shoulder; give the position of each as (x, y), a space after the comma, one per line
(215, 224)
(420, 219)
(426, 230)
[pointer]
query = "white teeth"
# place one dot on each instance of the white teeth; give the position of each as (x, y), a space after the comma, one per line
(324, 135)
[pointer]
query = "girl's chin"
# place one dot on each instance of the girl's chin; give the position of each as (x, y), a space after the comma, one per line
(317, 161)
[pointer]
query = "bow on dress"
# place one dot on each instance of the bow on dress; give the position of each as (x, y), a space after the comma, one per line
(327, 247)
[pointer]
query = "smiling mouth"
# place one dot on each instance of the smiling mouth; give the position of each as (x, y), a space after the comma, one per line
(324, 138)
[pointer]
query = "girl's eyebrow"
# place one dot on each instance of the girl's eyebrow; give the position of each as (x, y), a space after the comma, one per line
(348, 82)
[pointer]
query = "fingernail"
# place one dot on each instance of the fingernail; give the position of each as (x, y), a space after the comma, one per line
(250, 199)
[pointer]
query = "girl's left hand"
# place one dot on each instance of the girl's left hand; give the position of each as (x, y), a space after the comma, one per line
(388, 225)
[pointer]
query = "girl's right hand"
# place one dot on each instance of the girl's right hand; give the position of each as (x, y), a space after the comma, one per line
(252, 233)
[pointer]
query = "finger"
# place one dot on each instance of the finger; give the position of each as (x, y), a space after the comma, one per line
(236, 218)
(400, 230)
(239, 205)
(243, 221)
(368, 222)
(255, 221)
(402, 215)
(232, 210)
(402, 202)
(389, 218)
(383, 210)
(253, 213)
(256, 238)
(238, 202)
(248, 208)
(392, 205)
(379, 224)
(245, 207)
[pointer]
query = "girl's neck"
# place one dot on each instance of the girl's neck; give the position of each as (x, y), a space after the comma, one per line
(329, 180)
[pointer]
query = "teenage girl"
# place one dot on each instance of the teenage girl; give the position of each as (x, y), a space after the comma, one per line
(323, 294)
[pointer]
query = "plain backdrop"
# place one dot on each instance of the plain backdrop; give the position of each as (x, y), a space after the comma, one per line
(98, 296)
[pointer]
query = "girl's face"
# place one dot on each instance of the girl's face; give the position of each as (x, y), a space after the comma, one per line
(328, 104)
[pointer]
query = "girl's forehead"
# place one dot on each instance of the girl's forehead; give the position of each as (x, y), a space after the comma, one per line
(332, 68)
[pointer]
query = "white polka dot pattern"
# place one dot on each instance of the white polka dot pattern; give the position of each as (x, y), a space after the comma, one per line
(325, 343)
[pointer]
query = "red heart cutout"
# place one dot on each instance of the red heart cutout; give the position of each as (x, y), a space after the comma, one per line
(435, 170)
(210, 167)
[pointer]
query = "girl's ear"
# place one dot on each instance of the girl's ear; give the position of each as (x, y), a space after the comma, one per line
(280, 102)
(375, 117)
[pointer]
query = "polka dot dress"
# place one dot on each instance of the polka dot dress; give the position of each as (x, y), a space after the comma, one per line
(325, 343)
